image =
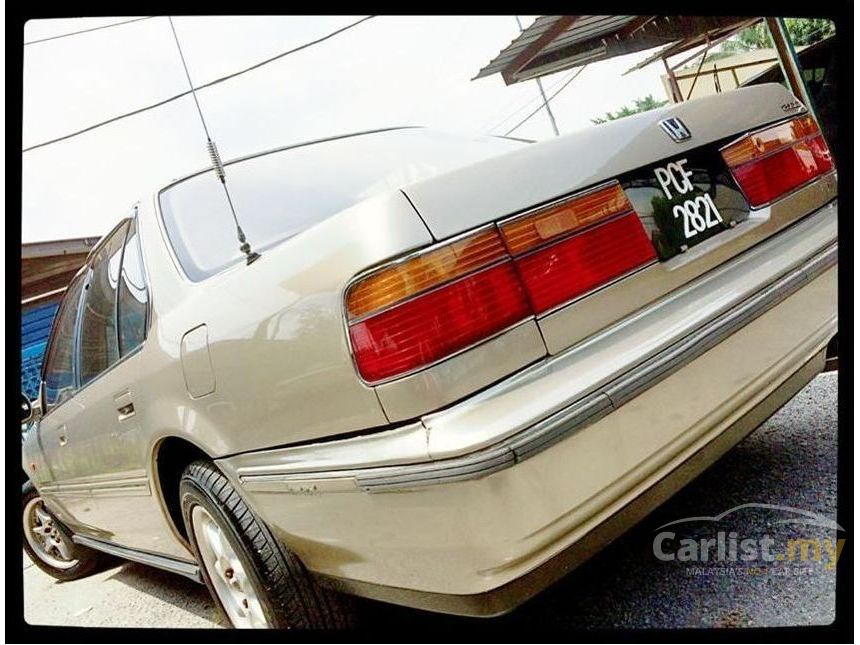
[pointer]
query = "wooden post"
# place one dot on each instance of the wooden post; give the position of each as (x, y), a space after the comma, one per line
(673, 83)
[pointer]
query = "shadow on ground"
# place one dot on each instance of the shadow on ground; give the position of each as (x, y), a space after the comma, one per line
(181, 592)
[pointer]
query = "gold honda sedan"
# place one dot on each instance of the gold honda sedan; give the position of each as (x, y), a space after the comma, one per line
(458, 367)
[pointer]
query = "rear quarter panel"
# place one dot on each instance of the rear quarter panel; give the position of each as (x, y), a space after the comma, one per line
(282, 366)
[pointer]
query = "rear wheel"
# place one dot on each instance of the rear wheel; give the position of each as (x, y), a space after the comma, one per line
(256, 582)
(49, 544)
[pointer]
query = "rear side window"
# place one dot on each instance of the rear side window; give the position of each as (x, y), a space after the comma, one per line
(280, 194)
(98, 345)
(133, 296)
(59, 371)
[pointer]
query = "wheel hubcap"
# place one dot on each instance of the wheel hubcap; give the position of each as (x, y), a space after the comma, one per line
(45, 538)
(229, 578)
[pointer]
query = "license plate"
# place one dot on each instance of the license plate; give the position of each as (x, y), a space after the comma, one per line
(685, 201)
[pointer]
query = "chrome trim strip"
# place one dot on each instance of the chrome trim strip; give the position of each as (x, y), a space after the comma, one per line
(414, 253)
(534, 210)
(569, 235)
(766, 126)
(581, 413)
(554, 428)
(471, 466)
(587, 294)
(97, 487)
(93, 486)
(101, 481)
(288, 146)
(182, 567)
(124, 491)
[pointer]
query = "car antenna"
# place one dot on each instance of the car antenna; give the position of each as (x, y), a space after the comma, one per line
(215, 158)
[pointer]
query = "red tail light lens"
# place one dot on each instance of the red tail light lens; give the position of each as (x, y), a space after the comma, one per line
(581, 244)
(418, 330)
(579, 264)
(771, 163)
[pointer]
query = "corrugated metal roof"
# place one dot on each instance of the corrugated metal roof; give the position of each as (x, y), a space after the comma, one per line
(555, 43)
(585, 28)
(588, 27)
(680, 46)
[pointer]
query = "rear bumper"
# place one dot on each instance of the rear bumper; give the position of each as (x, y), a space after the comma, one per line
(474, 509)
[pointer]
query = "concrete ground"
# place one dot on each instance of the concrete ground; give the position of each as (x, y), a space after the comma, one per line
(790, 461)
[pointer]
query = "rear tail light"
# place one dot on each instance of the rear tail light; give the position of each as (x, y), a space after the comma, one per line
(527, 232)
(576, 265)
(423, 272)
(415, 313)
(569, 249)
(772, 162)
(438, 302)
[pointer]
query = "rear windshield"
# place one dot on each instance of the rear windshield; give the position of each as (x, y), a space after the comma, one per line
(280, 194)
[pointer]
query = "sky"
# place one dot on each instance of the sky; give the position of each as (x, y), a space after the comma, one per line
(388, 71)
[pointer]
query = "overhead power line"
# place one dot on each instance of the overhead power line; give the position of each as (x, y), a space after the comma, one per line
(176, 97)
(528, 103)
(85, 31)
(542, 93)
(556, 93)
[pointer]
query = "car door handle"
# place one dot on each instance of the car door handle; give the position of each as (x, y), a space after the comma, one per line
(125, 411)
(61, 435)
(124, 405)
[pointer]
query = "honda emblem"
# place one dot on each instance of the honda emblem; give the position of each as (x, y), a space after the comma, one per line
(675, 128)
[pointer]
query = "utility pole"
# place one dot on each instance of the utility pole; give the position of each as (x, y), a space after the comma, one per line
(542, 93)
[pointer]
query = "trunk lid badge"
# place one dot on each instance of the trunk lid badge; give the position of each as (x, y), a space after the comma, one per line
(676, 129)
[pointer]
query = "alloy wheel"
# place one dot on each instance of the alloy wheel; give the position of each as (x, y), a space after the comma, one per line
(232, 584)
(49, 544)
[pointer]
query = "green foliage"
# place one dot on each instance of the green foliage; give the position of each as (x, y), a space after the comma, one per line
(802, 31)
(639, 105)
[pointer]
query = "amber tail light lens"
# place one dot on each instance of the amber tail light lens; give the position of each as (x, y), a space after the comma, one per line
(423, 272)
(772, 162)
(531, 231)
(414, 313)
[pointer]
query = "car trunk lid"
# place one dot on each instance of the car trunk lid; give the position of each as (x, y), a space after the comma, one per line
(662, 159)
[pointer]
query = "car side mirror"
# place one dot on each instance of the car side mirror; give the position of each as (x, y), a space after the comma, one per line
(31, 410)
(26, 409)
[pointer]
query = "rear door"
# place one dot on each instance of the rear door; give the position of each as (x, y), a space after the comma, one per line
(109, 450)
(77, 441)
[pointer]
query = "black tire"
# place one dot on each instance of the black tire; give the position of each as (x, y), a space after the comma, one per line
(289, 596)
(88, 562)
